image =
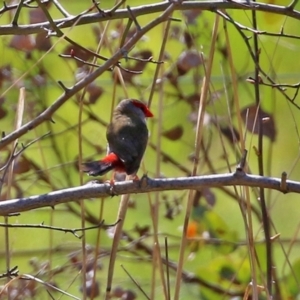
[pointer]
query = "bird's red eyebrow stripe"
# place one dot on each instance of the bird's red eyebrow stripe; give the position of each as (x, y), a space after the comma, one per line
(144, 108)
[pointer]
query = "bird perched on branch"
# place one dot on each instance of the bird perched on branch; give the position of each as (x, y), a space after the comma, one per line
(127, 137)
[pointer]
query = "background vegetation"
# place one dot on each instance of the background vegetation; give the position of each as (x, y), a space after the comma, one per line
(248, 55)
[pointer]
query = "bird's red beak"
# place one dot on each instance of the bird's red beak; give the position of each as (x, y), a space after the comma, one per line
(148, 113)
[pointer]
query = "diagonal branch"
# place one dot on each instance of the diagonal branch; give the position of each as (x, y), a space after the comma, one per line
(69, 92)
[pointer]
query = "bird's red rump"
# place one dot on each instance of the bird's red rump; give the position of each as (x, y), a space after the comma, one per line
(113, 159)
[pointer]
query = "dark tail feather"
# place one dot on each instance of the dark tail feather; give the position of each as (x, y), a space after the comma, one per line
(96, 168)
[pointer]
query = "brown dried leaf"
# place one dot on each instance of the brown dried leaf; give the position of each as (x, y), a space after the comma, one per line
(36, 15)
(191, 15)
(22, 165)
(129, 295)
(251, 116)
(230, 133)
(22, 42)
(140, 65)
(92, 288)
(5, 74)
(174, 133)
(173, 78)
(142, 230)
(188, 39)
(207, 194)
(175, 32)
(42, 42)
(117, 292)
(136, 66)
(187, 60)
(224, 51)
(3, 111)
(193, 99)
(94, 92)
(78, 52)
(40, 79)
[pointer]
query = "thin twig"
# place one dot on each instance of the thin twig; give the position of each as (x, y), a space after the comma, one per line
(66, 230)
(135, 282)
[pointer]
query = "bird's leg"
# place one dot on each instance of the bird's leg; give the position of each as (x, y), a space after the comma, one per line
(133, 177)
(112, 183)
(112, 179)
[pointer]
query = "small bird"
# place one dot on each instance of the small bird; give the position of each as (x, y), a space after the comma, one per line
(127, 137)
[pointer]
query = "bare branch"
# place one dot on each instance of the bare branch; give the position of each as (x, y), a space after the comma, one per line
(145, 185)
(147, 9)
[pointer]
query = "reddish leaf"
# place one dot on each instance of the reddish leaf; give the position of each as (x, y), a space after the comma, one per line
(36, 15)
(251, 116)
(140, 64)
(174, 133)
(22, 165)
(193, 99)
(224, 51)
(191, 15)
(117, 292)
(22, 42)
(175, 32)
(40, 79)
(5, 74)
(92, 288)
(188, 60)
(3, 111)
(136, 66)
(230, 133)
(207, 194)
(129, 295)
(94, 91)
(78, 52)
(142, 230)
(173, 78)
(42, 42)
(188, 39)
